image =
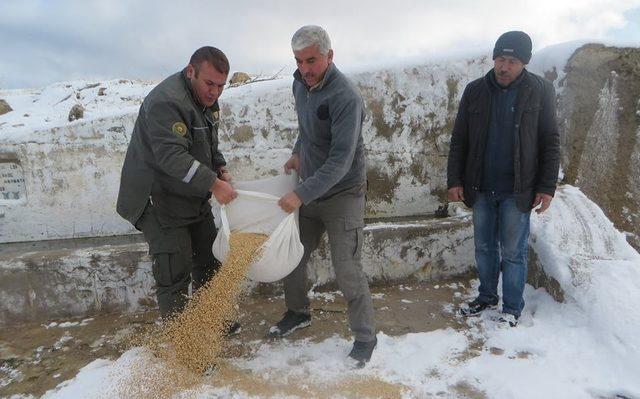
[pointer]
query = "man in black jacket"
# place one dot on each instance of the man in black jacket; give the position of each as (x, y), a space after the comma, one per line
(503, 162)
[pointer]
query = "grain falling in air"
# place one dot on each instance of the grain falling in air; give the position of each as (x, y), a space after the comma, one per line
(188, 344)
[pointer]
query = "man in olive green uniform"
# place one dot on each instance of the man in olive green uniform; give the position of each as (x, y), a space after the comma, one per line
(171, 169)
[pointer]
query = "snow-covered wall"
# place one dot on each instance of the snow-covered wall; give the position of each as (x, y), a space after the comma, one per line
(71, 178)
(59, 179)
(70, 170)
(410, 112)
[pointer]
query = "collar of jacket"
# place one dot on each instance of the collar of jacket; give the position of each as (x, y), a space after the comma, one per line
(490, 80)
(329, 75)
(189, 88)
(524, 85)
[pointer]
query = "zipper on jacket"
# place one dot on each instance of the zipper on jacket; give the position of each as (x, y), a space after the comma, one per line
(516, 161)
(517, 184)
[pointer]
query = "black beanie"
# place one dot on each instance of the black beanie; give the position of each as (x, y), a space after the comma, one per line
(516, 44)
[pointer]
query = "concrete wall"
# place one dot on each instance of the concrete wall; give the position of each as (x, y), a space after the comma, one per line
(60, 281)
(71, 176)
(57, 279)
(410, 112)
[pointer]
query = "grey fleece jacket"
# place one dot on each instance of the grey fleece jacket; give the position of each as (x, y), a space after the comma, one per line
(329, 143)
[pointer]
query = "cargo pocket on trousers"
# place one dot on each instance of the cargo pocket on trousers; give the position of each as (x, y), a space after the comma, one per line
(355, 225)
(163, 255)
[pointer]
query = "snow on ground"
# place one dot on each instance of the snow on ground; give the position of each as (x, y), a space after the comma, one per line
(587, 346)
(68, 324)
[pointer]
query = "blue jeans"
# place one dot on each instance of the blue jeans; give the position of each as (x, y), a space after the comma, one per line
(501, 234)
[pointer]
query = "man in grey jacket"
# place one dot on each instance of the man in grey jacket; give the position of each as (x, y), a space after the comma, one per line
(329, 156)
(171, 169)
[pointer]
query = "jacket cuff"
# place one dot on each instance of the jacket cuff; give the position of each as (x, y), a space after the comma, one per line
(203, 180)
(546, 190)
(303, 193)
(454, 183)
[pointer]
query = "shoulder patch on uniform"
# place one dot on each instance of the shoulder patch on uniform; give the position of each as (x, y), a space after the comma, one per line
(216, 114)
(179, 128)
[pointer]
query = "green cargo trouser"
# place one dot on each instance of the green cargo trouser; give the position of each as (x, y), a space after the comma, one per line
(342, 217)
(178, 254)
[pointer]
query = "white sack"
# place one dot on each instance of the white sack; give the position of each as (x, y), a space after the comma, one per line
(256, 210)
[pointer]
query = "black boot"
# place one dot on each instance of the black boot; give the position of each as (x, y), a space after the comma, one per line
(233, 328)
(361, 351)
(290, 322)
(509, 319)
(475, 307)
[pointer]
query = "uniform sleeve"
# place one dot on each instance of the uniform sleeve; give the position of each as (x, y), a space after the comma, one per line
(170, 147)
(346, 125)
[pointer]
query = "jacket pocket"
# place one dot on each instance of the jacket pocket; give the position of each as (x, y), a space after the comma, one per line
(199, 134)
(531, 113)
(473, 112)
(201, 149)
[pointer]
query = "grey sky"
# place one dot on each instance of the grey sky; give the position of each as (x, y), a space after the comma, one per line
(43, 41)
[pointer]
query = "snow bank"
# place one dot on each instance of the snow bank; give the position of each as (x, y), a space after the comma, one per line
(597, 269)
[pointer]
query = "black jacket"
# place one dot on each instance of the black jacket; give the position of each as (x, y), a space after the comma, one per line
(536, 144)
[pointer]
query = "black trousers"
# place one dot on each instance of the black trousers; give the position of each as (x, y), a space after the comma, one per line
(180, 256)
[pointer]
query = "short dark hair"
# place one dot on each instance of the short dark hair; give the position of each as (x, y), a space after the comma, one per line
(213, 56)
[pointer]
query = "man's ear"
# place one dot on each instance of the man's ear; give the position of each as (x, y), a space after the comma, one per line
(330, 56)
(191, 71)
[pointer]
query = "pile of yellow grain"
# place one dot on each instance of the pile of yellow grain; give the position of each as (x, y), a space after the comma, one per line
(189, 343)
